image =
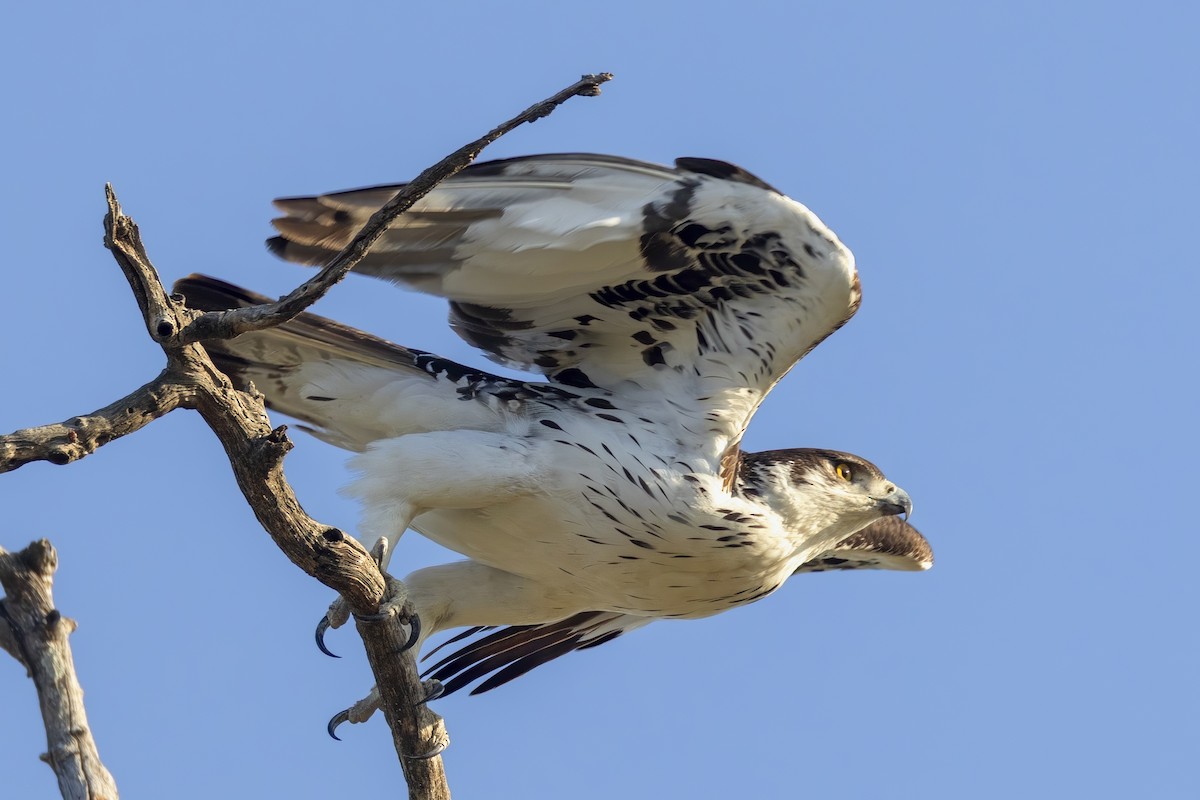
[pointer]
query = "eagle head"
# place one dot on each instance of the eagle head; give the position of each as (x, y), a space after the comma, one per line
(820, 496)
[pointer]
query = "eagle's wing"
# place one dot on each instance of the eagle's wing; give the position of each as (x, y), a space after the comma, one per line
(699, 281)
(507, 653)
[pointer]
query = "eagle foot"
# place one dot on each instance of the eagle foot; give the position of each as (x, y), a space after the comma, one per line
(365, 708)
(339, 610)
(359, 712)
(433, 690)
(436, 750)
(395, 604)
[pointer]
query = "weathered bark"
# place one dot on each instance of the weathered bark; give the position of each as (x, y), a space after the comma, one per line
(256, 451)
(35, 633)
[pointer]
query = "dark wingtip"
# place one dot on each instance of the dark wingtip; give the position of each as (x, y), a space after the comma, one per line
(277, 245)
(724, 170)
(206, 293)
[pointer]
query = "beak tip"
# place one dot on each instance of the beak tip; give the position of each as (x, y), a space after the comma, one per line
(897, 503)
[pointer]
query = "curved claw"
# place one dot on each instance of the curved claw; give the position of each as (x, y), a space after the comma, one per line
(323, 626)
(338, 719)
(414, 626)
(436, 751)
(433, 690)
(414, 633)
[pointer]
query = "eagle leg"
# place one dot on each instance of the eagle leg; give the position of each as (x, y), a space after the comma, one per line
(359, 712)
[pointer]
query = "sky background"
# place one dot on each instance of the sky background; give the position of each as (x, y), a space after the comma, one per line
(1018, 182)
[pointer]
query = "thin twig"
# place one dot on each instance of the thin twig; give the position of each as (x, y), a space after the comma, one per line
(227, 324)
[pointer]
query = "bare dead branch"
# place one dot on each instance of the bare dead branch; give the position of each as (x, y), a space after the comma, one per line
(64, 442)
(409, 719)
(227, 324)
(40, 632)
(240, 423)
(256, 451)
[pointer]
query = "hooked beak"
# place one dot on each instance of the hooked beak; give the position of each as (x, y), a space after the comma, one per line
(895, 502)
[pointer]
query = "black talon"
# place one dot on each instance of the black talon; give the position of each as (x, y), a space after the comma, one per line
(433, 690)
(414, 633)
(414, 627)
(323, 626)
(338, 719)
(436, 751)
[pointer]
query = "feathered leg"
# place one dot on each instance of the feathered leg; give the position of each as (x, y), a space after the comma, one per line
(467, 593)
(403, 477)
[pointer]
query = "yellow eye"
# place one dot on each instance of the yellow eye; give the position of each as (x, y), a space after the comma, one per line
(844, 472)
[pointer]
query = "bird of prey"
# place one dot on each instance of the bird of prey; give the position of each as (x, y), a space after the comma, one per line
(660, 306)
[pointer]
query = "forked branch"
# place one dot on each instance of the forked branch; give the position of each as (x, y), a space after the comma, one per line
(256, 451)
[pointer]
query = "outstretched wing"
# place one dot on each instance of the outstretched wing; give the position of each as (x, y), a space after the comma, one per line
(507, 653)
(701, 280)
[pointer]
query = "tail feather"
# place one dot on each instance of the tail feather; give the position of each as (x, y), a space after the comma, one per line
(345, 384)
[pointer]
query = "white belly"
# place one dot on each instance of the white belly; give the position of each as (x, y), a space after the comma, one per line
(655, 565)
(610, 512)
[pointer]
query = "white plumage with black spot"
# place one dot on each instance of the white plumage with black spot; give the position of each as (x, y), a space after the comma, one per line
(660, 305)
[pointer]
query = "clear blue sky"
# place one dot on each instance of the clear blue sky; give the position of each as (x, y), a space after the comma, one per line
(1018, 182)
